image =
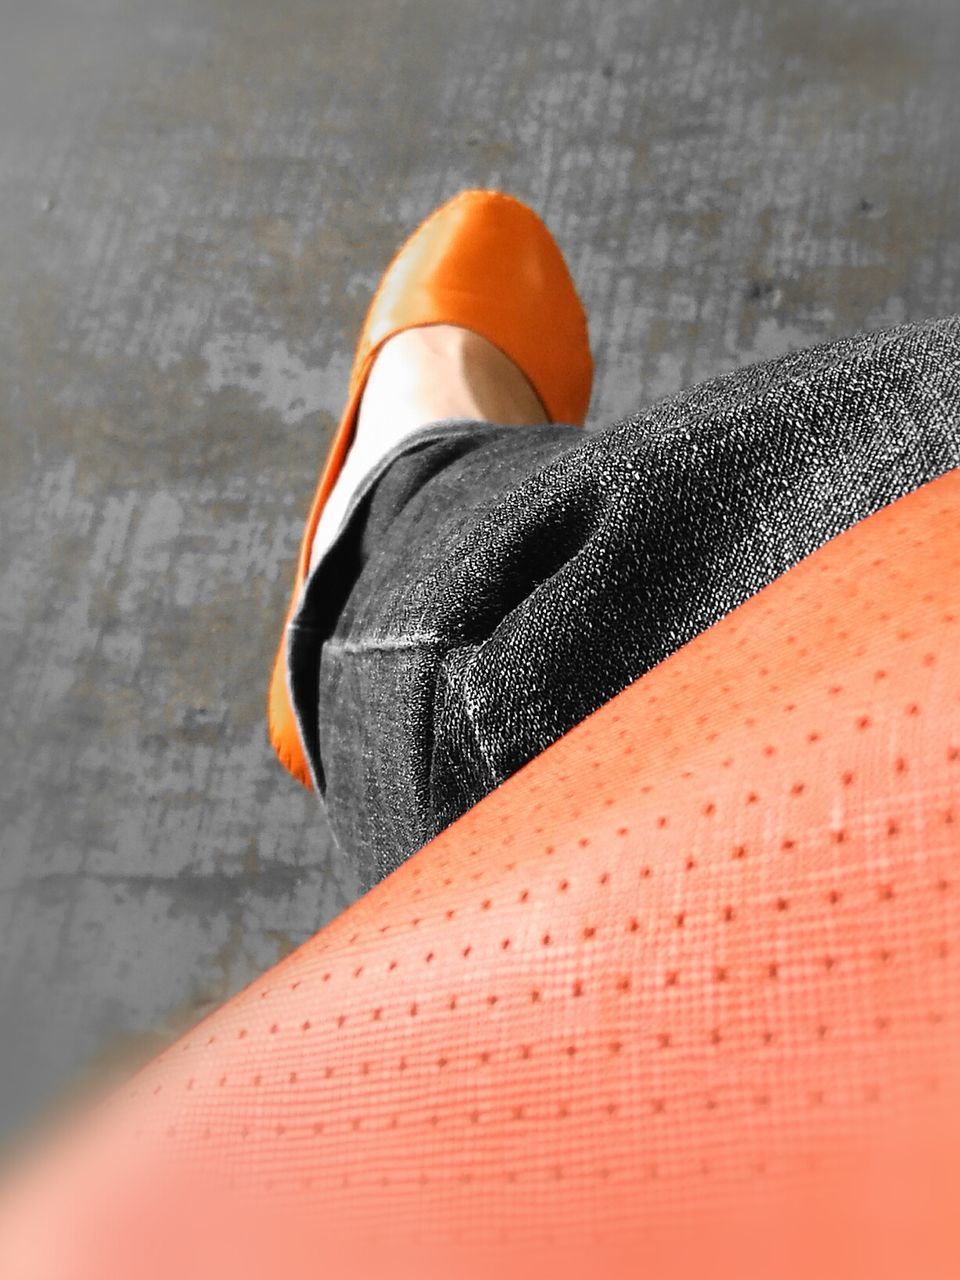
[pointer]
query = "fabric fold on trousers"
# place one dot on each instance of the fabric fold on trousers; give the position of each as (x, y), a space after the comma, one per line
(492, 585)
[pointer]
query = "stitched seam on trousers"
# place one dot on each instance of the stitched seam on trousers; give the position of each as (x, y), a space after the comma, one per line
(464, 702)
(383, 644)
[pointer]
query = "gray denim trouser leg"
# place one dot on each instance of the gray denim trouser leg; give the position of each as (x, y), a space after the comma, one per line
(493, 585)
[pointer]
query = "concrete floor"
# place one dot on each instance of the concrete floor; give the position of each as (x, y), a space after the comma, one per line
(197, 197)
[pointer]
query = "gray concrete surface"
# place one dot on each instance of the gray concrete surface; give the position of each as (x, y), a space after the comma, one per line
(196, 198)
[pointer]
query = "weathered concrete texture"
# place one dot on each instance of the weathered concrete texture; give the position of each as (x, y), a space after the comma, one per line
(197, 197)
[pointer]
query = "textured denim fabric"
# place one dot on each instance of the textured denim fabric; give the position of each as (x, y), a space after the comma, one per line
(493, 585)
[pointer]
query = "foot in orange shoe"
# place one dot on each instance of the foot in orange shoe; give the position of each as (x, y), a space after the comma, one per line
(423, 375)
(477, 302)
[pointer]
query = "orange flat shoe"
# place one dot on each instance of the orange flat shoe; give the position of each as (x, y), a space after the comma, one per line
(484, 261)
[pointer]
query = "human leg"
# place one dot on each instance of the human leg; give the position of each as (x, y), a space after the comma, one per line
(495, 586)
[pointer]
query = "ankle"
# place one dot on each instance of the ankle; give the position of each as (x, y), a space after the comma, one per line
(433, 372)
